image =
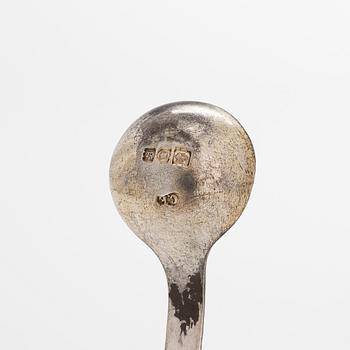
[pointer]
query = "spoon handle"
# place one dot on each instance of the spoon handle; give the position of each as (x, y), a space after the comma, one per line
(185, 309)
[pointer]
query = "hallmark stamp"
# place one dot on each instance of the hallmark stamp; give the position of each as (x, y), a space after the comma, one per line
(163, 155)
(178, 156)
(148, 154)
(161, 200)
(170, 199)
(181, 157)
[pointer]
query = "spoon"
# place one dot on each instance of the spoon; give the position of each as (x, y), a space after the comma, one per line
(180, 177)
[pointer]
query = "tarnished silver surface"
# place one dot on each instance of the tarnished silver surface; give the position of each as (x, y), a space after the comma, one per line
(180, 177)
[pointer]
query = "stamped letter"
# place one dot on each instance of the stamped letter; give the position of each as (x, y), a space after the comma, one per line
(148, 154)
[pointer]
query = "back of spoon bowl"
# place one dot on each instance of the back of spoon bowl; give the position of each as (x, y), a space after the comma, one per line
(180, 177)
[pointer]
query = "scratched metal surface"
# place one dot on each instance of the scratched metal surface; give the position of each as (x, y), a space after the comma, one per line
(180, 177)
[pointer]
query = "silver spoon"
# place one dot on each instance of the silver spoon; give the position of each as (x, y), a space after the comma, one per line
(180, 177)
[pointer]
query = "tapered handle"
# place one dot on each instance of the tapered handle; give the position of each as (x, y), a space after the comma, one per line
(185, 310)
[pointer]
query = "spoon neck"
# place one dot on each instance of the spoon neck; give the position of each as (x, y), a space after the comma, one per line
(185, 309)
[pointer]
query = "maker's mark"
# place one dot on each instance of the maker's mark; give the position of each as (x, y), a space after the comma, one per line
(170, 199)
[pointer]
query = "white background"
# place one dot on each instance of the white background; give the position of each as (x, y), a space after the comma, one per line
(74, 74)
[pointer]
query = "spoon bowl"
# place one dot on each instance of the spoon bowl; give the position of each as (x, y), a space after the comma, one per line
(180, 177)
